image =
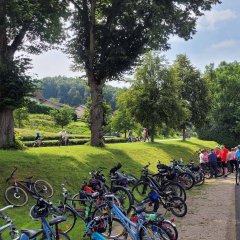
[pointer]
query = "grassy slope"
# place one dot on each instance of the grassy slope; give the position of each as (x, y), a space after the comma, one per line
(74, 163)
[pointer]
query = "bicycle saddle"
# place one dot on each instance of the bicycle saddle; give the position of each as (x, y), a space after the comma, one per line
(32, 233)
(57, 220)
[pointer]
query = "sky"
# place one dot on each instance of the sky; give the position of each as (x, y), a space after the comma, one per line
(217, 39)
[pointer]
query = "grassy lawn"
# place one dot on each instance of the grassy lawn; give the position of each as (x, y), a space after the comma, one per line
(74, 163)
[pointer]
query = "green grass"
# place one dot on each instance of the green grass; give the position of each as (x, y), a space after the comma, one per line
(44, 123)
(74, 162)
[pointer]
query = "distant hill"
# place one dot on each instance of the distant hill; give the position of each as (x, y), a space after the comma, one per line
(74, 91)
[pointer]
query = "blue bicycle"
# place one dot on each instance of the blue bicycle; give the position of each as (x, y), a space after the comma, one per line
(38, 212)
(140, 230)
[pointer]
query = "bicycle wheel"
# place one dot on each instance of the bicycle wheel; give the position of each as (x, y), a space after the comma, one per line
(43, 188)
(186, 180)
(141, 191)
(16, 196)
(125, 198)
(70, 215)
(62, 236)
(177, 206)
(153, 231)
(170, 229)
(199, 178)
(115, 230)
(176, 190)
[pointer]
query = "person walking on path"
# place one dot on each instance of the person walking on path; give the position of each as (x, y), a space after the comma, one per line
(212, 161)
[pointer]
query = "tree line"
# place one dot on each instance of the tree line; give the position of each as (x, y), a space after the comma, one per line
(74, 91)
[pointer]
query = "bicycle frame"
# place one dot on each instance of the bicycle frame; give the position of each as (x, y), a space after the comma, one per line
(47, 229)
(24, 184)
(127, 223)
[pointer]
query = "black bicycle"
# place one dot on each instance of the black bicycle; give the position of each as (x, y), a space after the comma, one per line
(148, 191)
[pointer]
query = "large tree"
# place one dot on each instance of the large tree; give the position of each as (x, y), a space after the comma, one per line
(109, 35)
(195, 90)
(154, 98)
(31, 26)
(224, 119)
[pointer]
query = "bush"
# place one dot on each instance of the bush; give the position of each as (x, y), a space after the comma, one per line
(34, 107)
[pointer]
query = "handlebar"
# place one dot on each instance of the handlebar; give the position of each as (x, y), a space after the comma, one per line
(40, 199)
(145, 167)
(15, 169)
(114, 169)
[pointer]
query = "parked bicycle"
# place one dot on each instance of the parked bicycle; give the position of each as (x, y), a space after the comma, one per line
(16, 194)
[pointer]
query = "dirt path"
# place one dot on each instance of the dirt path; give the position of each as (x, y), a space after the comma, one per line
(211, 212)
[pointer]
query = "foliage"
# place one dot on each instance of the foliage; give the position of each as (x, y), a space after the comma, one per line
(109, 36)
(224, 119)
(74, 91)
(195, 90)
(154, 99)
(62, 116)
(30, 27)
(122, 120)
(15, 85)
(37, 108)
(20, 115)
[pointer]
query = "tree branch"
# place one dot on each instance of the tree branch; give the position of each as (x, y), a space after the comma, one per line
(18, 39)
(76, 5)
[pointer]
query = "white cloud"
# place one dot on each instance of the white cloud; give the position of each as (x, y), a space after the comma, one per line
(210, 20)
(227, 44)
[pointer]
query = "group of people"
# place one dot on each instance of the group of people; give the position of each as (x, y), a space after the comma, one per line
(220, 155)
(144, 137)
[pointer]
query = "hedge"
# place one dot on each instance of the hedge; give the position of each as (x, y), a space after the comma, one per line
(47, 143)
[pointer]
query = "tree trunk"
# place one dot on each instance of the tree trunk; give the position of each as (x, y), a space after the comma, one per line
(184, 133)
(6, 128)
(96, 113)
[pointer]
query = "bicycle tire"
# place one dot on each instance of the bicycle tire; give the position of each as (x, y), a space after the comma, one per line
(124, 196)
(118, 230)
(13, 193)
(70, 215)
(171, 229)
(199, 179)
(62, 236)
(151, 231)
(177, 203)
(43, 188)
(176, 189)
(186, 180)
(141, 191)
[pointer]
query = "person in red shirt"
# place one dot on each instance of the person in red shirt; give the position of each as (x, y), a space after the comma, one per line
(224, 158)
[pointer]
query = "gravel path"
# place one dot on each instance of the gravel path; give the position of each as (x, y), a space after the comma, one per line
(211, 212)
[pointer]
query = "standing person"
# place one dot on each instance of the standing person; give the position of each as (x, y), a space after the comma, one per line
(224, 158)
(202, 160)
(130, 136)
(212, 161)
(232, 159)
(238, 156)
